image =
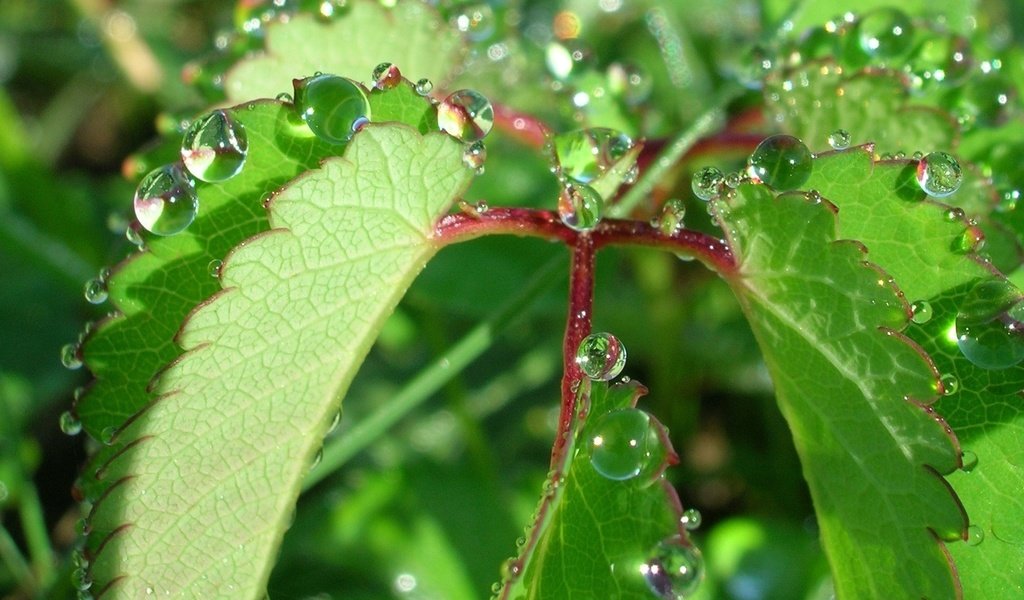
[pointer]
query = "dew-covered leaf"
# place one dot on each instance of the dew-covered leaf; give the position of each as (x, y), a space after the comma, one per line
(914, 240)
(410, 35)
(851, 388)
(607, 511)
(207, 474)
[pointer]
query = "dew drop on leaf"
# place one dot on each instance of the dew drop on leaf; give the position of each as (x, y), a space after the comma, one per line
(69, 423)
(975, 535)
(134, 236)
(781, 162)
(474, 19)
(733, 180)
(969, 460)
(990, 325)
(213, 267)
(921, 312)
(214, 147)
(386, 76)
(670, 221)
(939, 174)
(706, 183)
(601, 356)
(108, 435)
(691, 519)
(674, 570)
(331, 106)
(81, 580)
(423, 87)
(69, 356)
(95, 290)
(839, 139)
(583, 155)
(474, 156)
(622, 444)
(885, 33)
(580, 206)
(165, 201)
(950, 384)
(466, 115)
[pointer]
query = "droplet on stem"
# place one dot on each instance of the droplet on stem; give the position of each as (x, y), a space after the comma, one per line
(580, 206)
(939, 174)
(670, 222)
(781, 162)
(332, 107)
(585, 154)
(706, 183)
(165, 201)
(466, 115)
(601, 356)
(215, 147)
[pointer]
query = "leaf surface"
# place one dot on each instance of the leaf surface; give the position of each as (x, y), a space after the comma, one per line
(850, 386)
(410, 35)
(209, 472)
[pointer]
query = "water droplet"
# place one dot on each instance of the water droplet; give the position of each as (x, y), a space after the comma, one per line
(954, 214)
(781, 162)
(990, 325)
(165, 201)
(670, 222)
(475, 20)
(214, 147)
(386, 76)
(108, 435)
(691, 519)
(423, 87)
(706, 183)
(674, 570)
(580, 206)
(95, 291)
(331, 106)
(601, 356)
(335, 420)
(213, 267)
(939, 174)
(623, 443)
(466, 115)
(839, 139)
(950, 384)
(629, 82)
(474, 156)
(969, 460)
(317, 458)
(284, 97)
(81, 580)
(69, 356)
(69, 423)
(975, 535)
(134, 236)
(583, 155)
(921, 312)
(733, 180)
(885, 33)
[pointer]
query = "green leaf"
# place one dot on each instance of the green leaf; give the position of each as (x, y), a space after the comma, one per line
(208, 474)
(852, 390)
(801, 14)
(410, 35)
(913, 241)
(592, 534)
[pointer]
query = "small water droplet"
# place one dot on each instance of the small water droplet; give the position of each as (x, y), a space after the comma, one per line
(334, 422)
(70, 356)
(706, 183)
(466, 115)
(423, 86)
(580, 206)
(670, 222)
(674, 570)
(921, 312)
(585, 154)
(81, 580)
(781, 162)
(975, 535)
(166, 201)
(601, 356)
(95, 290)
(623, 443)
(386, 76)
(331, 106)
(284, 97)
(691, 519)
(108, 435)
(134, 236)
(317, 458)
(939, 174)
(990, 325)
(475, 20)
(969, 460)
(950, 384)
(69, 423)
(839, 139)
(954, 214)
(733, 181)
(885, 33)
(213, 267)
(474, 156)
(215, 147)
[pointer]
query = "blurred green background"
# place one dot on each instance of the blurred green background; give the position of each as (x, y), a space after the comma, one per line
(432, 509)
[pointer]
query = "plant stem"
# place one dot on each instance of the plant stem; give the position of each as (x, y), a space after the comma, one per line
(14, 560)
(340, 449)
(712, 251)
(36, 535)
(530, 222)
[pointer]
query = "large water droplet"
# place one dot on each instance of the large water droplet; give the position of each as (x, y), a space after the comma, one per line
(166, 201)
(623, 443)
(674, 570)
(70, 356)
(466, 115)
(939, 174)
(475, 20)
(839, 139)
(990, 325)
(583, 155)
(580, 206)
(601, 356)
(214, 147)
(69, 423)
(885, 33)
(386, 76)
(333, 107)
(707, 182)
(781, 162)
